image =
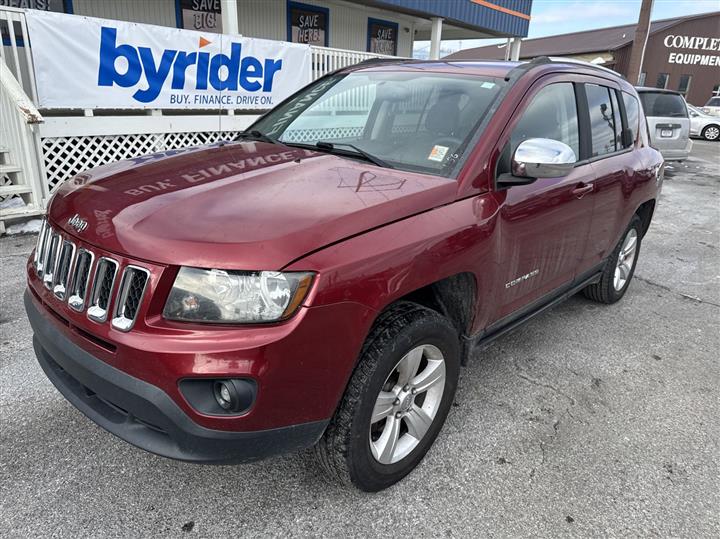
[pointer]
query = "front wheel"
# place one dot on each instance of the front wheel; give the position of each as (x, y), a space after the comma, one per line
(711, 132)
(396, 401)
(620, 267)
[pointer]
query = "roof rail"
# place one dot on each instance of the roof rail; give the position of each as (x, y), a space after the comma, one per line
(520, 69)
(584, 63)
(385, 60)
(541, 60)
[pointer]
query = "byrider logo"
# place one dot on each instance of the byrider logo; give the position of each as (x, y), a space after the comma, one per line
(248, 72)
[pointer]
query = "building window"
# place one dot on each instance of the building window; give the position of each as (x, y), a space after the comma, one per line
(382, 37)
(684, 86)
(662, 80)
(716, 90)
(308, 24)
(641, 80)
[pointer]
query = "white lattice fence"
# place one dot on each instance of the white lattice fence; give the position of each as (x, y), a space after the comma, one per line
(67, 156)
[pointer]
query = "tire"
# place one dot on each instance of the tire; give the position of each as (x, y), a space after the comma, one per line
(349, 451)
(609, 288)
(710, 132)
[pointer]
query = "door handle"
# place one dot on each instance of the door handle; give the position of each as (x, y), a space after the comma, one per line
(582, 189)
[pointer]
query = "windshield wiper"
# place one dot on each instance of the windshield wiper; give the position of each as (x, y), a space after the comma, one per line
(330, 146)
(254, 134)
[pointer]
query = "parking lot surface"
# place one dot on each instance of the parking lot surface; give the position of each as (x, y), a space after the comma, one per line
(589, 420)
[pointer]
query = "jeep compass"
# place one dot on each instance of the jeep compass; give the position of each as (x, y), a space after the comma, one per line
(320, 280)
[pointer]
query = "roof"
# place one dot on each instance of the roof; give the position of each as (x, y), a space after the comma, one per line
(491, 17)
(600, 40)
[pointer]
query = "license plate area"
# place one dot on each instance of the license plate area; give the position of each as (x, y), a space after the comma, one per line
(666, 133)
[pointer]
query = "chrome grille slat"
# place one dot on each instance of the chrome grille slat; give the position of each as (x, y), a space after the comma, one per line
(129, 297)
(51, 257)
(39, 247)
(80, 281)
(43, 242)
(64, 268)
(100, 298)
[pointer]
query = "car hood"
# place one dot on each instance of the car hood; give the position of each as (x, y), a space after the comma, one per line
(243, 205)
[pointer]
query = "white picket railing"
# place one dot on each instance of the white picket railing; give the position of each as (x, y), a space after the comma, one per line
(326, 60)
(17, 55)
(53, 149)
(21, 164)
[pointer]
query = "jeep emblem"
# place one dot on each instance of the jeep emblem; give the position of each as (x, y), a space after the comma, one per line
(78, 223)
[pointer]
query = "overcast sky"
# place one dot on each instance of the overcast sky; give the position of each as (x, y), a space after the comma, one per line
(553, 17)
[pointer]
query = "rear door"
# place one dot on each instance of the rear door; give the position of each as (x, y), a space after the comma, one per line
(668, 120)
(613, 162)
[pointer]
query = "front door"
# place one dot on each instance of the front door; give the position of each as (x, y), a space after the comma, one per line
(544, 225)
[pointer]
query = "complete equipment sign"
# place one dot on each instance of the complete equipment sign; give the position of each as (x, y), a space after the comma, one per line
(83, 62)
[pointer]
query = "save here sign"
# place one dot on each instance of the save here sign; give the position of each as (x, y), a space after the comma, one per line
(84, 62)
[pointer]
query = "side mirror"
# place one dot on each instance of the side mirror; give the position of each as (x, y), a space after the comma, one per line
(538, 158)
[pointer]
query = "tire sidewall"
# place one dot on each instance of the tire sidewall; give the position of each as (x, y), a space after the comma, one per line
(366, 472)
(617, 294)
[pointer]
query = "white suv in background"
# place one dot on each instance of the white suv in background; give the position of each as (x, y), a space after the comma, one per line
(668, 122)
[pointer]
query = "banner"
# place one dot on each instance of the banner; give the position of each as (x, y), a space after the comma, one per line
(83, 62)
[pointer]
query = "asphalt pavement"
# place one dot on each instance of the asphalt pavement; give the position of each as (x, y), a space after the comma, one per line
(591, 420)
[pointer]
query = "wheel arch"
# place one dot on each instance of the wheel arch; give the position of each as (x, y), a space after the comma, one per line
(645, 211)
(454, 297)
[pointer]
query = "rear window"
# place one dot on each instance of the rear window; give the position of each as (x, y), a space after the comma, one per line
(632, 111)
(663, 104)
(714, 102)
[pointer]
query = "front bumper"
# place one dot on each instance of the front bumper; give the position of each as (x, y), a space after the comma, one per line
(143, 414)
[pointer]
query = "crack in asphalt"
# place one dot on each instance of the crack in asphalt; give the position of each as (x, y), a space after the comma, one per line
(677, 293)
(538, 383)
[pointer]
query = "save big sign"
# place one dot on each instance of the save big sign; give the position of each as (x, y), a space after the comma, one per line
(84, 62)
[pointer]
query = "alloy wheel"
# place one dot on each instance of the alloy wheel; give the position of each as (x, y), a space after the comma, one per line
(625, 260)
(407, 404)
(712, 133)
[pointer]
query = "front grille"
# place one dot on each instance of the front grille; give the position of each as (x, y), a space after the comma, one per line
(130, 294)
(72, 275)
(102, 288)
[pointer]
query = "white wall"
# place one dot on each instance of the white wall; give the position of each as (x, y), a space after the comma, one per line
(160, 12)
(262, 18)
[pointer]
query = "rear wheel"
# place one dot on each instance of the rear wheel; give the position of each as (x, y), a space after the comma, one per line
(620, 267)
(397, 399)
(711, 132)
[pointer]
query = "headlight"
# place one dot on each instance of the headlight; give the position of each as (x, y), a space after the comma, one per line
(202, 295)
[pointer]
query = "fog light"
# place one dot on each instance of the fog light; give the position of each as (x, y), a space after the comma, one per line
(222, 397)
(226, 395)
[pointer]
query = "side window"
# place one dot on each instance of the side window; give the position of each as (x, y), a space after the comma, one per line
(632, 111)
(602, 122)
(551, 114)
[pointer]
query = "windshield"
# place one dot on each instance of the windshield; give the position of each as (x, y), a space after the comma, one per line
(714, 102)
(407, 120)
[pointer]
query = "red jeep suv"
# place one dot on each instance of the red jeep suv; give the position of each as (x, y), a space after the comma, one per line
(320, 280)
